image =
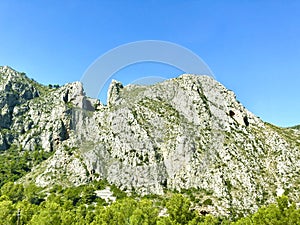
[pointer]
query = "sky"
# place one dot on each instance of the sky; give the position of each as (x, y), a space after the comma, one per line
(252, 47)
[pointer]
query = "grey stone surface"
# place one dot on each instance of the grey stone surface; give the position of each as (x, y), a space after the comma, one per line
(187, 132)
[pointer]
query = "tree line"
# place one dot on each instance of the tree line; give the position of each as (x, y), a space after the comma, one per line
(81, 206)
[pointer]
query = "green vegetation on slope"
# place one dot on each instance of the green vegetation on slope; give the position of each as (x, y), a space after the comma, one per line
(80, 205)
(296, 127)
(16, 162)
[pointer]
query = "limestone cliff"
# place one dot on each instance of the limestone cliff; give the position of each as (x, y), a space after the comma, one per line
(184, 133)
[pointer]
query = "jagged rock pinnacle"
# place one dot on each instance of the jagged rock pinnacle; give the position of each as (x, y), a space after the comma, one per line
(113, 92)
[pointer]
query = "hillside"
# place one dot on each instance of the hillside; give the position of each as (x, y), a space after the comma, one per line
(296, 127)
(187, 134)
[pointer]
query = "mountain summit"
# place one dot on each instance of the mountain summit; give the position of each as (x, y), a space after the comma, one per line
(187, 133)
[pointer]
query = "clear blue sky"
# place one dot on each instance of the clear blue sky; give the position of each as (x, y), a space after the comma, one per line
(253, 47)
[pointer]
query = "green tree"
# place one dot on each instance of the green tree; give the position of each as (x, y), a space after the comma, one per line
(117, 213)
(27, 211)
(88, 195)
(15, 192)
(284, 212)
(144, 214)
(68, 217)
(83, 216)
(50, 214)
(208, 220)
(165, 221)
(33, 194)
(179, 209)
(8, 213)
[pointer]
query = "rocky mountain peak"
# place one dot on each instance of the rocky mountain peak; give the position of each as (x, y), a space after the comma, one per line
(113, 92)
(13, 81)
(7, 72)
(184, 133)
(15, 89)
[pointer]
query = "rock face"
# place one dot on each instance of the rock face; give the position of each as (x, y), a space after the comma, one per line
(183, 133)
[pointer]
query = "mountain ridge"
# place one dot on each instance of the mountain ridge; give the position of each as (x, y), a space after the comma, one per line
(186, 132)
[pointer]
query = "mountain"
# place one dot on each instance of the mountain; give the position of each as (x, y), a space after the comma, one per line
(296, 127)
(186, 134)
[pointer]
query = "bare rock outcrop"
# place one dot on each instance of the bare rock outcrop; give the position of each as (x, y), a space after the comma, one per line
(184, 133)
